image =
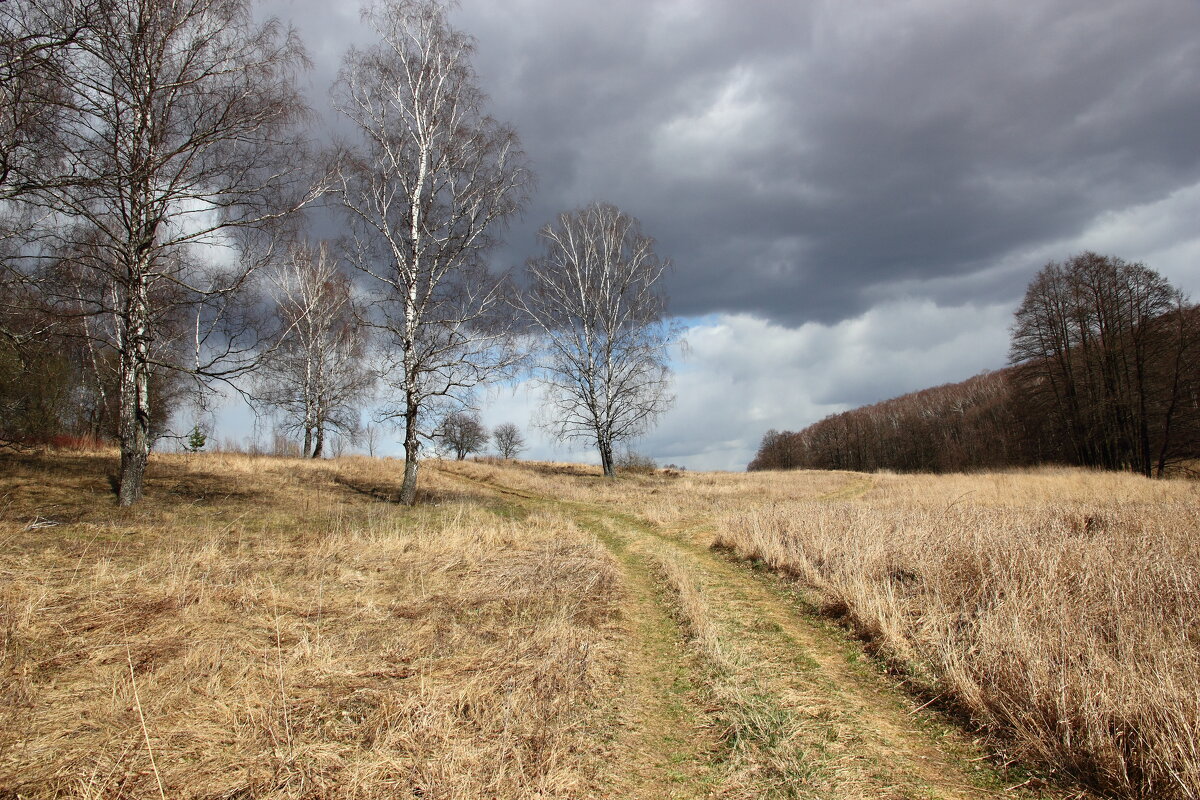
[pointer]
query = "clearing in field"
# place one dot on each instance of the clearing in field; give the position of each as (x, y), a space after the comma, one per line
(283, 628)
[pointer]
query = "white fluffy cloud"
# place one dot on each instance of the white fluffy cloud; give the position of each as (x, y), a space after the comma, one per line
(743, 374)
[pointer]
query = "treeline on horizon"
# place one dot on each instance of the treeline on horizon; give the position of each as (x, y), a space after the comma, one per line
(1104, 372)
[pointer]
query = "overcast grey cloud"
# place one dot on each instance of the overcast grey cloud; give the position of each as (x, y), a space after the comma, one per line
(794, 157)
(854, 194)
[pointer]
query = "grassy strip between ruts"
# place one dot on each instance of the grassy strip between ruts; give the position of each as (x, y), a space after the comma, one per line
(798, 716)
(1056, 607)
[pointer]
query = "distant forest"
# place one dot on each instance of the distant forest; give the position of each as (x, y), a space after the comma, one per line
(1104, 372)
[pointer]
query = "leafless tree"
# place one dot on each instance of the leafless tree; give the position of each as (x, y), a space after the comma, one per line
(508, 440)
(461, 433)
(371, 434)
(36, 37)
(594, 297)
(429, 184)
(1101, 345)
(317, 375)
(179, 136)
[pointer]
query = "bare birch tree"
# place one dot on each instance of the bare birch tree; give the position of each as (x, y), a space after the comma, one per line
(178, 132)
(317, 375)
(371, 436)
(594, 298)
(428, 186)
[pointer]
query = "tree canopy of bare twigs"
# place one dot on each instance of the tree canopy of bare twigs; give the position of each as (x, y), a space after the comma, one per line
(318, 374)
(36, 37)
(508, 439)
(1104, 349)
(371, 436)
(461, 433)
(178, 131)
(428, 185)
(594, 299)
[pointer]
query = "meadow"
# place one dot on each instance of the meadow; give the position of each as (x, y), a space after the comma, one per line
(1059, 609)
(283, 628)
(266, 627)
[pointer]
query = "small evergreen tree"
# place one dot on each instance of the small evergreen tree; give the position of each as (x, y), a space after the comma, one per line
(195, 440)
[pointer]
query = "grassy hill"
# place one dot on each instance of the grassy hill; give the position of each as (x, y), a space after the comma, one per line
(282, 628)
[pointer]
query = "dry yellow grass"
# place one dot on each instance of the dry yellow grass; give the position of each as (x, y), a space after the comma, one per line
(263, 627)
(797, 718)
(1060, 608)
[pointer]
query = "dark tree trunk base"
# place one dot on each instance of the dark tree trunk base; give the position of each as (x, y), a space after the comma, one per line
(132, 475)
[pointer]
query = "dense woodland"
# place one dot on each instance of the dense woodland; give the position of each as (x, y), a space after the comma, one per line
(1105, 372)
(58, 386)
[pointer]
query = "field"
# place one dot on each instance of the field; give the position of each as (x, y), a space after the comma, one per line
(283, 628)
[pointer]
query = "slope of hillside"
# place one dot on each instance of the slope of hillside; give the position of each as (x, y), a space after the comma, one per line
(278, 628)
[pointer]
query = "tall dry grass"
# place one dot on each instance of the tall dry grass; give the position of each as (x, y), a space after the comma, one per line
(1059, 608)
(264, 627)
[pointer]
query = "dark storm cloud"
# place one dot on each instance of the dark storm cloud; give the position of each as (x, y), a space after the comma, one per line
(854, 193)
(795, 159)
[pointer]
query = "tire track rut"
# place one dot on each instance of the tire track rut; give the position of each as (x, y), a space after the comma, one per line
(763, 701)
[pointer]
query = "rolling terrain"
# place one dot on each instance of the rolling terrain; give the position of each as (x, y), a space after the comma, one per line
(283, 628)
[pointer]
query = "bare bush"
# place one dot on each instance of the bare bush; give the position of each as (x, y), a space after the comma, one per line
(632, 461)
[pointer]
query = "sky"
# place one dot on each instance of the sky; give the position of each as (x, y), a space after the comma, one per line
(853, 194)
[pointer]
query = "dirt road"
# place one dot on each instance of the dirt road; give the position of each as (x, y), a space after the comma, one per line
(733, 689)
